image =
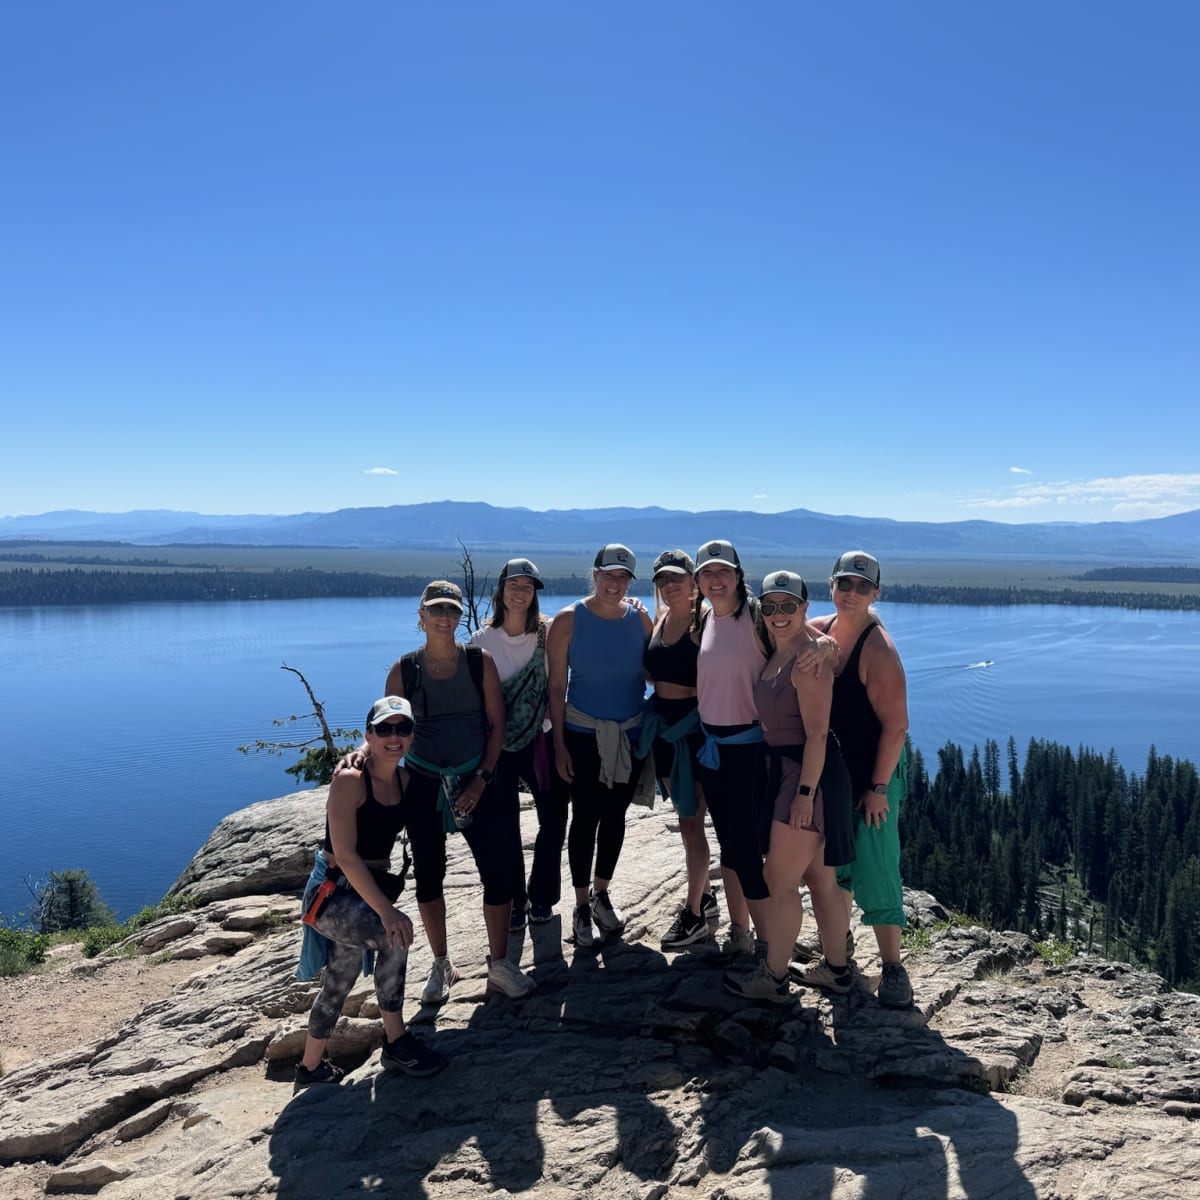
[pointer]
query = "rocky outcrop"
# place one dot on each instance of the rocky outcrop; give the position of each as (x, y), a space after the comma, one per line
(629, 1073)
(265, 848)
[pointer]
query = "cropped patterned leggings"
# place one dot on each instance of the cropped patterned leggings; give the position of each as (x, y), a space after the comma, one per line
(352, 926)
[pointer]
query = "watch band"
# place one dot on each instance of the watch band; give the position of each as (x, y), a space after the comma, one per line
(880, 789)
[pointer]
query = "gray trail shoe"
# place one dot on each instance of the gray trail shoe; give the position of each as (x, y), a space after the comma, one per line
(820, 974)
(895, 990)
(759, 984)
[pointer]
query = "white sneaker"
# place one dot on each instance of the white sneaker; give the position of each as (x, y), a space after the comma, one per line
(437, 987)
(504, 978)
(582, 926)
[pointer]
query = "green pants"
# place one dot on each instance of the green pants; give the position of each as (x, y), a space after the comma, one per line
(874, 875)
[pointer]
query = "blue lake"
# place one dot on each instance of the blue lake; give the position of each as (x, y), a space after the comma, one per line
(124, 720)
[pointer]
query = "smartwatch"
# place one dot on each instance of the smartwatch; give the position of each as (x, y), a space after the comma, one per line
(880, 789)
(486, 775)
(804, 790)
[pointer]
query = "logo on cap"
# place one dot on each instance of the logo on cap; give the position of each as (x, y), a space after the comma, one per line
(714, 547)
(781, 578)
(622, 556)
(860, 564)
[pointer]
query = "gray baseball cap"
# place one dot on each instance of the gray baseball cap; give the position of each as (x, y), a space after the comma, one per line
(517, 568)
(615, 557)
(719, 552)
(784, 581)
(858, 563)
(389, 708)
(673, 562)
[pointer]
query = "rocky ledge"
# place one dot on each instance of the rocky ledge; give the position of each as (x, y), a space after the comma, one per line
(629, 1073)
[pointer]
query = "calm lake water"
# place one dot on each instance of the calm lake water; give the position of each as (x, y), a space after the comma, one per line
(124, 720)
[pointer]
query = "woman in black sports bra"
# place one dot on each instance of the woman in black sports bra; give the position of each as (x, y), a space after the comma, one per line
(353, 907)
(673, 731)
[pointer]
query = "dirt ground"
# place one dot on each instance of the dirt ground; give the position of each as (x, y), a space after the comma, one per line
(72, 1000)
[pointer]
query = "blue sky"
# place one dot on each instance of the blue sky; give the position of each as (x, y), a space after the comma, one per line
(930, 261)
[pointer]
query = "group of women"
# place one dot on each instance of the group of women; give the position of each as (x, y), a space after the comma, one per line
(788, 732)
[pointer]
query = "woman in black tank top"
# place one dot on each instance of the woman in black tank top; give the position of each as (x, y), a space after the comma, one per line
(870, 718)
(670, 662)
(353, 908)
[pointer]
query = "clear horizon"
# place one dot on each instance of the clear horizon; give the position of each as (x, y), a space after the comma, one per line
(936, 264)
(761, 512)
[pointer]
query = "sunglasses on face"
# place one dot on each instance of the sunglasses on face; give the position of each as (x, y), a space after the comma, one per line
(769, 608)
(847, 583)
(386, 729)
(442, 610)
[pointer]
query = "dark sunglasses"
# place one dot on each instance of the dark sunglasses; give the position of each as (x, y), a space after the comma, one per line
(443, 610)
(769, 608)
(848, 583)
(401, 728)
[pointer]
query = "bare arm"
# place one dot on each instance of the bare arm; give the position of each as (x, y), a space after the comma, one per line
(558, 643)
(814, 695)
(887, 690)
(346, 795)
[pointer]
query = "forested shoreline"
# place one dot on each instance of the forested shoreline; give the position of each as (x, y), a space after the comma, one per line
(1069, 844)
(147, 581)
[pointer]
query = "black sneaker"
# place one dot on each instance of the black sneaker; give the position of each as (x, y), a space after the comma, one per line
(686, 931)
(323, 1072)
(541, 914)
(608, 917)
(710, 910)
(410, 1056)
(517, 921)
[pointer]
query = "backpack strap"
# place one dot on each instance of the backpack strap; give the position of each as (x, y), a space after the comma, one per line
(410, 674)
(475, 666)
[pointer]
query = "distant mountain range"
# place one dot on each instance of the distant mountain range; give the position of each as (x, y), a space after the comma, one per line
(483, 527)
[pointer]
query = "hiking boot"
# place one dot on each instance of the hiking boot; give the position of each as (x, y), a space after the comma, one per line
(895, 991)
(739, 943)
(541, 914)
(608, 918)
(759, 984)
(710, 910)
(517, 921)
(687, 930)
(323, 1072)
(437, 987)
(408, 1055)
(581, 925)
(821, 975)
(504, 978)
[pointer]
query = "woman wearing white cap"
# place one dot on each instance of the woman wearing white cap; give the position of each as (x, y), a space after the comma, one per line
(597, 687)
(870, 718)
(515, 637)
(807, 803)
(349, 903)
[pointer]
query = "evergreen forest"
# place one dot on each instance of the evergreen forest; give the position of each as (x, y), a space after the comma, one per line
(1066, 845)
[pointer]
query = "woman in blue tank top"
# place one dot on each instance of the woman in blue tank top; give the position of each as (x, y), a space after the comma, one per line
(596, 686)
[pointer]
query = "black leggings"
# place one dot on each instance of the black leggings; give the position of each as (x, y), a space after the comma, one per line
(352, 925)
(494, 836)
(740, 818)
(597, 812)
(545, 875)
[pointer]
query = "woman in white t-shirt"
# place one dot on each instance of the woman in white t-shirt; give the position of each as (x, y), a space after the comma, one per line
(515, 636)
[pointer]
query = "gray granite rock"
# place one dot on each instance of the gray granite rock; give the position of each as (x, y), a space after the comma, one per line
(628, 1074)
